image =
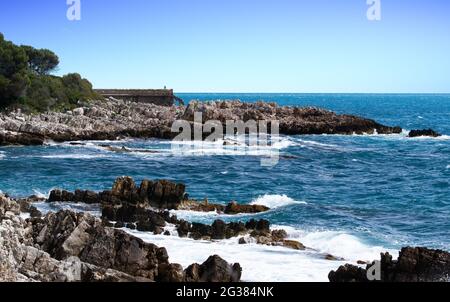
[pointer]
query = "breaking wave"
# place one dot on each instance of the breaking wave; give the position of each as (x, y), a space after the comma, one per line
(275, 201)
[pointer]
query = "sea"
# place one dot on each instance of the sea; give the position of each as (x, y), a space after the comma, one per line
(349, 196)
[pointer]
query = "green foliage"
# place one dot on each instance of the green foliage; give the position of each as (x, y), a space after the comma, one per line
(41, 61)
(47, 92)
(13, 72)
(25, 80)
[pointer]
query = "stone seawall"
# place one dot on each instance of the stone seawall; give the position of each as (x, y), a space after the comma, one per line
(161, 97)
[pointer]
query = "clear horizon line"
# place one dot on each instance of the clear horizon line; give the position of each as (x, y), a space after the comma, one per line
(289, 92)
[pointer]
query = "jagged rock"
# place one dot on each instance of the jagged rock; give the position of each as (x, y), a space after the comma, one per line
(124, 188)
(8, 205)
(112, 119)
(193, 273)
(192, 205)
(170, 273)
(56, 196)
(413, 265)
(215, 269)
(183, 228)
(167, 195)
(88, 197)
(426, 132)
(66, 234)
(158, 230)
(27, 207)
(259, 225)
(279, 235)
(34, 212)
(126, 203)
(235, 229)
(119, 225)
(92, 273)
(348, 273)
(162, 194)
(200, 231)
(293, 120)
(131, 226)
(242, 240)
(106, 254)
(234, 208)
(218, 230)
(261, 239)
(330, 257)
(20, 138)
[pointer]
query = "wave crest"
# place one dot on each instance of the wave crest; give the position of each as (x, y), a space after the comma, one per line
(275, 201)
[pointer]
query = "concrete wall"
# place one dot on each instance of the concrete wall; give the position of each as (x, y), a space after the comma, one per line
(163, 97)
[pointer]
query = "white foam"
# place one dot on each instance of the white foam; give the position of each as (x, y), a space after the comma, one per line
(74, 156)
(46, 207)
(275, 201)
(339, 244)
(2, 155)
(25, 215)
(185, 150)
(235, 147)
(309, 143)
(403, 134)
(448, 167)
(39, 194)
(439, 138)
(260, 263)
(87, 143)
(270, 201)
(283, 143)
(207, 217)
(193, 215)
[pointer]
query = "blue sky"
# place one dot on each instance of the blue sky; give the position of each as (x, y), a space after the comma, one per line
(243, 45)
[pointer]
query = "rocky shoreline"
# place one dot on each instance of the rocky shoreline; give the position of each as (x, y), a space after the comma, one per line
(68, 246)
(413, 265)
(147, 208)
(77, 247)
(113, 119)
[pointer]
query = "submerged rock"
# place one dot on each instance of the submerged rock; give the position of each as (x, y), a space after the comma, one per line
(235, 208)
(232, 208)
(427, 132)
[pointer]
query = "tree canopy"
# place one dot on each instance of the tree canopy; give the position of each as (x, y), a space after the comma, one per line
(41, 61)
(26, 81)
(13, 72)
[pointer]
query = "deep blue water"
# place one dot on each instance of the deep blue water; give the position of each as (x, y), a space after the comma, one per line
(386, 190)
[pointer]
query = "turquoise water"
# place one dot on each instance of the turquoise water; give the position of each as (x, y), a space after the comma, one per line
(387, 191)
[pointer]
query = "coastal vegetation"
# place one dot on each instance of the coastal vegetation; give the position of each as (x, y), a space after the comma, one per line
(27, 82)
